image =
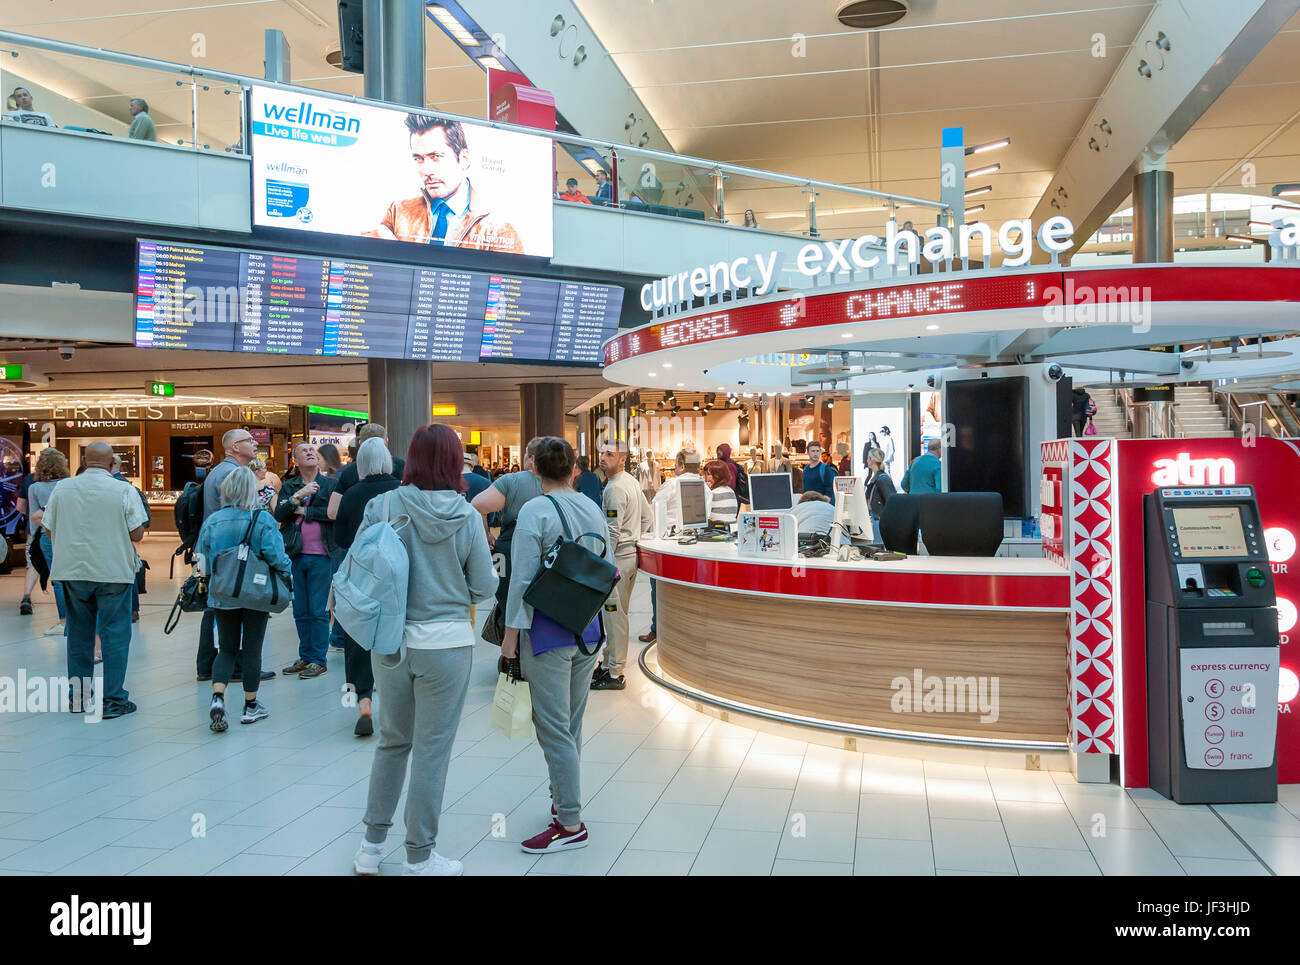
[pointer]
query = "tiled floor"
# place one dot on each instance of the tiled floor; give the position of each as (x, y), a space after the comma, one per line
(668, 791)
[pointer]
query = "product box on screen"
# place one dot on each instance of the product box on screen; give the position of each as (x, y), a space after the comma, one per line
(1013, 239)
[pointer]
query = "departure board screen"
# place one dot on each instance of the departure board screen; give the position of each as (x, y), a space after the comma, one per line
(222, 299)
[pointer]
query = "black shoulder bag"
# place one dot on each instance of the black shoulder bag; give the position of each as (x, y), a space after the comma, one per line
(573, 583)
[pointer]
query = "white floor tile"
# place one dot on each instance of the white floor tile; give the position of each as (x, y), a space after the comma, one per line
(699, 785)
(1036, 825)
(623, 802)
(755, 809)
(112, 861)
(1133, 851)
(896, 816)
(1055, 863)
(653, 863)
(1196, 834)
(674, 827)
(970, 845)
(785, 868)
(1280, 854)
(730, 852)
(719, 752)
(875, 856)
(1036, 786)
(1223, 867)
(498, 858)
(966, 800)
(1271, 820)
(769, 770)
(257, 866)
(656, 765)
(819, 836)
(892, 775)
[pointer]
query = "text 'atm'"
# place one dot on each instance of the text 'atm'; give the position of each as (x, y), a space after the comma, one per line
(1212, 647)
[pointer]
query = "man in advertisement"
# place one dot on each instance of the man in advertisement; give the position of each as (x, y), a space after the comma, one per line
(449, 211)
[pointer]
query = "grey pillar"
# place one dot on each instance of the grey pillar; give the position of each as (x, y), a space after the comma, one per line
(1153, 217)
(541, 410)
(401, 390)
(276, 65)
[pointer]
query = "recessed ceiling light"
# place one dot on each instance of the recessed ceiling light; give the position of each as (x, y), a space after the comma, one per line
(652, 374)
(989, 146)
(932, 327)
(668, 365)
(846, 334)
(680, 384)
(490, 62)
(976, 192)
(975, 210)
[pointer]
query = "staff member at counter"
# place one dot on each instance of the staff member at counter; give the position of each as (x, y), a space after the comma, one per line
(723, 505)
(686, 467)
(817, 477)
(628, 515)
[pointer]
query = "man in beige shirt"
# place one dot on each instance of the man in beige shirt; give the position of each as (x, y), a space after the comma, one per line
(93, 521)
(628, 515)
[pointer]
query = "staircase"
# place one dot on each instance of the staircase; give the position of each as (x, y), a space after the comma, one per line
(1110, 419)
(1198, 415)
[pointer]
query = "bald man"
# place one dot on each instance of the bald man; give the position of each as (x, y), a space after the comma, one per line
(93, 521)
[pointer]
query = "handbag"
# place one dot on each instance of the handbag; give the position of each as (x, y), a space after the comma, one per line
(241, 578)
(192, 598)
(494, 627)
(1090, 430)
(512, 707)
(573, 582)
(293, 539)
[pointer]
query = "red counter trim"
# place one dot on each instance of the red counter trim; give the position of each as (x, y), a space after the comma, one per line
(966, 292)
(947, 590)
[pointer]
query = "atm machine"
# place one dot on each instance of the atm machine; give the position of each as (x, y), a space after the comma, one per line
(1212, 647)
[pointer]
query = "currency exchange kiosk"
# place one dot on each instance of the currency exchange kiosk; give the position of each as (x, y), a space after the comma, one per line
(1212, 647)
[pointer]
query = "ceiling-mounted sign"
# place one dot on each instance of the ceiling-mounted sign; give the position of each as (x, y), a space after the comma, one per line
(1013, 239)
(11, 372)
(164, 389)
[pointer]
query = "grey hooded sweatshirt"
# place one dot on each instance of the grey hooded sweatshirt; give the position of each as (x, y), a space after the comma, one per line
(451, 565)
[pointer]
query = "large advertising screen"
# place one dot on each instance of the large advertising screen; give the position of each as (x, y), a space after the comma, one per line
(199, 297)
(350, 169)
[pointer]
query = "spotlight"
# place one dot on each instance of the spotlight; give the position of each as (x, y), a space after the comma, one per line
(696, 405)
(989, 146)
(830, 403)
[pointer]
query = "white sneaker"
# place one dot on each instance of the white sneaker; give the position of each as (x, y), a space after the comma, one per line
(435, 865)
(368, 857)
(55, 631)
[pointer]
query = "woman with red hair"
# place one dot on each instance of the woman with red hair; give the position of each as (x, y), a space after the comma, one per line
(723, 506)
(425, 682)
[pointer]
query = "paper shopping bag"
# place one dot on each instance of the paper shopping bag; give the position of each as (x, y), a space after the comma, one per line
(512, 708)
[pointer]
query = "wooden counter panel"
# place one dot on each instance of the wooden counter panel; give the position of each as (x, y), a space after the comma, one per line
(837, 661)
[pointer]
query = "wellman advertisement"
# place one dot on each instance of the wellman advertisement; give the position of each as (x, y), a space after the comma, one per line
(351, 169)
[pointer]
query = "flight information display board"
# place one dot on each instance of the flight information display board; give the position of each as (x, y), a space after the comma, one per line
(222, 299)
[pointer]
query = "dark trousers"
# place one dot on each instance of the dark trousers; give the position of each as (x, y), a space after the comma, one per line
(241, 635)
(356, 661)
(106, 607)
(208, 646)
(311, 589)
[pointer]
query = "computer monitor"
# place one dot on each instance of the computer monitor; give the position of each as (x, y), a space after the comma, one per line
(851, 507)
(691, 492)
(771, 491)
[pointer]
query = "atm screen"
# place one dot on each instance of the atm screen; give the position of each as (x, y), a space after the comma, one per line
(1205, 531)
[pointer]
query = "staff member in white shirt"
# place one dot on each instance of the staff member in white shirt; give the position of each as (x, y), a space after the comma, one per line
(628, 515)
(686, 467)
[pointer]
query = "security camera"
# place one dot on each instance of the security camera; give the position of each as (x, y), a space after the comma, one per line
(1053, 372)
(740, 381)
(67, 351)
(931, 381)
(1187, 364)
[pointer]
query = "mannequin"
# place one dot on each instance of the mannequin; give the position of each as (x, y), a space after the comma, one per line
(755, 463)
(647, 475)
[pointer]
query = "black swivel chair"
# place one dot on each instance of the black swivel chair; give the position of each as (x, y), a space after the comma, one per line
(960, 524)
(899, 523)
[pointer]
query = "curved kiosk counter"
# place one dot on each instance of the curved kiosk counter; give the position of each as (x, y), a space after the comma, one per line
(938, 649)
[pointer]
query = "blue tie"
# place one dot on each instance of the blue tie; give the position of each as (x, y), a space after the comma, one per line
(440, 226)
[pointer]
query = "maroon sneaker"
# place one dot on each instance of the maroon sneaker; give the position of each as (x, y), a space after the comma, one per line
(555, 838)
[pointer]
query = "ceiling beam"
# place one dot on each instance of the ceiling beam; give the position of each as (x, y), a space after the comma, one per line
(1153, 98)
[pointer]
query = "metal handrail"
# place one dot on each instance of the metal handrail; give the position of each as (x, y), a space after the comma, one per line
(1175, 428)
(225, 77)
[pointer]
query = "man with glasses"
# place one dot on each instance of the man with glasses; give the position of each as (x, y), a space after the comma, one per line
(240, 448)
(628, 516)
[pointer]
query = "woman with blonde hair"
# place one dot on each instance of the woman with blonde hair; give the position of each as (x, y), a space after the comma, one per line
(51, 466)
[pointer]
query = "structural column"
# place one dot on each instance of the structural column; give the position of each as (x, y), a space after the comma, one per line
(541, 410)
(401, 390)
(1153, 216)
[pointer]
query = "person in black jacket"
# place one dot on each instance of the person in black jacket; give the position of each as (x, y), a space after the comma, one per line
(880, 486)
(1080, 402)
(303, 514)
(375, 471)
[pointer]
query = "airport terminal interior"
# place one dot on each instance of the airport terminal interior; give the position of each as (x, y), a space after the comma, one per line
(855, 437)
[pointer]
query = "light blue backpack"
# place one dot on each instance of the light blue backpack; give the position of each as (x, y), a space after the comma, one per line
(368, 594)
